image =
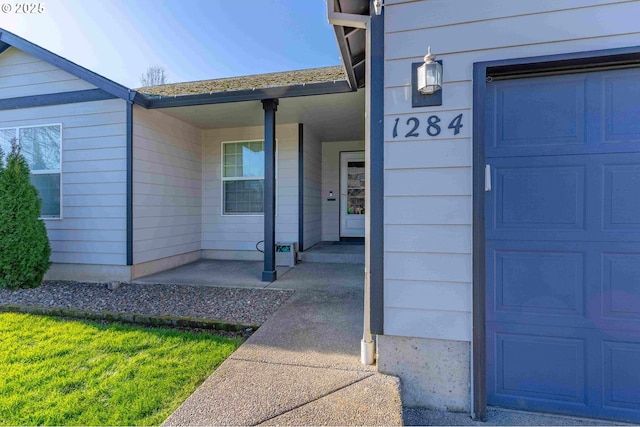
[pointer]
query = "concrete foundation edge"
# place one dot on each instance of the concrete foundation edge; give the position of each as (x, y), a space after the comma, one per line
(434, 373)
(89, 272)
(232, 255)
(124, 273)
(162, 264)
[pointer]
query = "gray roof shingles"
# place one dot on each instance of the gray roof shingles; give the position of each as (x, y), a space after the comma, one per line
(286, 78)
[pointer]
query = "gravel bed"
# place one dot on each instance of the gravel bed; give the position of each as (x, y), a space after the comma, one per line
(237, 305)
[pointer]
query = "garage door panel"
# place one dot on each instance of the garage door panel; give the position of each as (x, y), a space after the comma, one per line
(541, 197)
(542, 367)
(621, 95)
(569, 198)
(539, 282)
(575, 114)
(621, 362)
(556, 283)
(621, 209)
(539, 113)
(621, 286)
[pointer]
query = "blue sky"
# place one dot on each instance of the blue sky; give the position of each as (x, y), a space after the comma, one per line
(192, 39)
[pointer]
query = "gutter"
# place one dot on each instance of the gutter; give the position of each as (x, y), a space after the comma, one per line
(258, 94)
(338, 19)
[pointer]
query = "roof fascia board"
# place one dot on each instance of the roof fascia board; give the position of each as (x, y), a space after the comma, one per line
(139, 99)
(339, 21)
(345, 19)
(64, 64)
(348, 19)
(250, 94)
(55, 99)
(347, 66)
(4, 46)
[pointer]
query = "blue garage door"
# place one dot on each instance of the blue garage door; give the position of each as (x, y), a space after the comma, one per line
(563, 244)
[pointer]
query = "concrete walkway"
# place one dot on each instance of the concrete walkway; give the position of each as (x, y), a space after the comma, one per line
(302, 366)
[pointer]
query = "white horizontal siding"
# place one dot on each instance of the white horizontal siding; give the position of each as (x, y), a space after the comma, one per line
(437, 324)
(93, 225)
(242, 232)
(520, 30)
(428, 180)
(167, 186)
(312, 183)
(449, 296)
(459, 65)
(23, 75)
(415, 16)
(453, 239)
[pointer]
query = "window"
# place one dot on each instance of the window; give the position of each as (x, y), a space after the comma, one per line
(40, 145)
(243, 178)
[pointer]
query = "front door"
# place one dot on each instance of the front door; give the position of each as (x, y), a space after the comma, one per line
(352, 194)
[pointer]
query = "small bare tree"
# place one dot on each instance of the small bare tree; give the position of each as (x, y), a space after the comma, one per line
(155, 75)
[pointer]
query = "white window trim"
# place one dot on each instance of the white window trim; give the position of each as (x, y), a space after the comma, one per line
(247, 178)
(45, 172)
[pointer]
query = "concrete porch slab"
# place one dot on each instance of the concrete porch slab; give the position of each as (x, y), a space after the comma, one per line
(210, 272)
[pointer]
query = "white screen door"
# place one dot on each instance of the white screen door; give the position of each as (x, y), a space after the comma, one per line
(352, 194)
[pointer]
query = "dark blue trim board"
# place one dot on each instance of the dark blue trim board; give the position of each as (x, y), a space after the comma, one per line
(64, 64)
(54, 99)
(300, 187)
(479, 334)
(376, 214)
(4, 46)
(512, 69)
(269, 274)
(129, 184)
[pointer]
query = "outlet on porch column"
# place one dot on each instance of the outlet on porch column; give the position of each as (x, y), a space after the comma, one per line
(331, 198)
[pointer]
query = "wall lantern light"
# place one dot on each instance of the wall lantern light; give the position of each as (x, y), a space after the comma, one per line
(426, 82)
(429, 75)
(377, 7)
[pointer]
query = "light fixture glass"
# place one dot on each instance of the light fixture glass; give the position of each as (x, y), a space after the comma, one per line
(377, 7)
(429, 75)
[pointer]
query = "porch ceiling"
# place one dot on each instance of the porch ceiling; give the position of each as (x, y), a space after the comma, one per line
(333, 117)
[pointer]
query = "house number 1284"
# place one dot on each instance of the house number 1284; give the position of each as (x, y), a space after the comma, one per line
(433, 128)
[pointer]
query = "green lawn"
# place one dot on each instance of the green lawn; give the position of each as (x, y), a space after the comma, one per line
(61, 372)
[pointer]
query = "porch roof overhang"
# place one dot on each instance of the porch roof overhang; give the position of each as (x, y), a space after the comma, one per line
(333, 116)
(255, 94)
(287, 84)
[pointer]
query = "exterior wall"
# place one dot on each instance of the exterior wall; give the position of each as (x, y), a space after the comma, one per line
(23, 75)
(92, 229)
(167, 187)
(242, 232)
(428, 261)
(331, 182)
(312, 158)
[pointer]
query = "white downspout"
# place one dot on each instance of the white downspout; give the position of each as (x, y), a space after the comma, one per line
(367, 347)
